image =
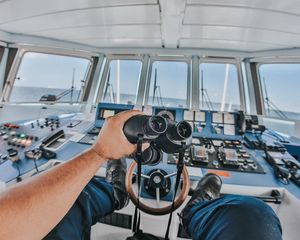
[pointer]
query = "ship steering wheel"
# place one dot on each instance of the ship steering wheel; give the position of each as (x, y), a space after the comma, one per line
(157, 179)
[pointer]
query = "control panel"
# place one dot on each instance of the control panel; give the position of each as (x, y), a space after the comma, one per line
(217, 140)
(221, 141)
(28, 144)
(104, 110)
(219, 154)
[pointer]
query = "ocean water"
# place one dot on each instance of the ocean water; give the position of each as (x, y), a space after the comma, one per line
(33, 94)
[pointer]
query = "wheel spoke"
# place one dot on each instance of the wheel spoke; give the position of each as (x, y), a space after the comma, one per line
(171, 175)
(142, 175)
(157, 197)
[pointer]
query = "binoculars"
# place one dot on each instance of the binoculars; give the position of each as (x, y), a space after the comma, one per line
(163, 135)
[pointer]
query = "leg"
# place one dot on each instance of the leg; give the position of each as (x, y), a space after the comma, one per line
(234, 218)
(94, 202)
(99, 198)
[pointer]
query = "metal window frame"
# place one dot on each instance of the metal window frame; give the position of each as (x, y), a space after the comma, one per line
(233, 61)
(3, 66)
(250, 102)
(185, 59)
(59, 52)
(195, 88)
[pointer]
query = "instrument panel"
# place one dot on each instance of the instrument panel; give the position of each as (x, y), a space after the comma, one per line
(218, 142)
(219, 154)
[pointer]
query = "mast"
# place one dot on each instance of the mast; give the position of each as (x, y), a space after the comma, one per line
(155, 86)
(72, 86)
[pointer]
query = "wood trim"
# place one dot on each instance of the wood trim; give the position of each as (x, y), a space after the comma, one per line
(157, 211)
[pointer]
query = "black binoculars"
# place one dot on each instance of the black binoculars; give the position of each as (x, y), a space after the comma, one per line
(163, 135)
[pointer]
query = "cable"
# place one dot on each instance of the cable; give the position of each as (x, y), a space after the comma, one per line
(19, 178)
(35, 165)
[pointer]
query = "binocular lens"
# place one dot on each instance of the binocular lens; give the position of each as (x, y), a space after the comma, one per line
(157, 124)
(184, 129)
(151, 156)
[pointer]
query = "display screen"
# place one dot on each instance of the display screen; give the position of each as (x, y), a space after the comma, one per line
(200, 116)
(108, 113)
(188, 115)
(217, 117)
(105, 113)
(229, 118)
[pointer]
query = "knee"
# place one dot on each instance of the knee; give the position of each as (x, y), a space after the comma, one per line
(253, 209)
(251, 205)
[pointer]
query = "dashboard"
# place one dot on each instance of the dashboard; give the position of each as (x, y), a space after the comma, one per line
(230, 144)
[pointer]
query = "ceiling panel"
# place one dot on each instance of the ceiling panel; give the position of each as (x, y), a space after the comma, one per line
(226, 45)
(241, 34)
(290, 6)
(144, 14)
(247, 25)
(226, 16)
(13, 10)
(124, 42)
(112, 31)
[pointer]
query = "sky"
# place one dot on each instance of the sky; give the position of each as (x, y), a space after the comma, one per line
(282, 84)
(51, 71)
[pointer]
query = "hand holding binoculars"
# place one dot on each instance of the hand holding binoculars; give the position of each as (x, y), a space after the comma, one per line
(163, 135)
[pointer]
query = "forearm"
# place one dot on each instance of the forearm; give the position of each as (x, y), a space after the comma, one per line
(37, 205)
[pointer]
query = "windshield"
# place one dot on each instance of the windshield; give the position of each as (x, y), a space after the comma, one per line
(49, 78)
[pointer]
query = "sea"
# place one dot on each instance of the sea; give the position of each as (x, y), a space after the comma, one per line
(34, 94)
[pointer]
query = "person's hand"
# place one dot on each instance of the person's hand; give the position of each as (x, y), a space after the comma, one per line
(112, 142)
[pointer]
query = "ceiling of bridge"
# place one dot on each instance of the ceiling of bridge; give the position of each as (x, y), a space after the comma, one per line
(243, 25)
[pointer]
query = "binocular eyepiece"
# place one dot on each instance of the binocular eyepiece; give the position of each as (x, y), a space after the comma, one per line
(148, 126)
(162, 134)
(176, 134)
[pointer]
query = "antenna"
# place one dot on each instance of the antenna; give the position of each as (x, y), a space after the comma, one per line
(272, 106)
(204, 95)
(202, 90)
(72, 86)
(266, 95)
(155, 86)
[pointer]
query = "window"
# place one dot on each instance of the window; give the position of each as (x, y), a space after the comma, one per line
(122, 81)
(219, 87)
(168, 84)
(49, 78)
(280, 84)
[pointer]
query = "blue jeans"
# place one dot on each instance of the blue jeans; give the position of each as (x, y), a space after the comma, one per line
(94, 202)
(228, 218)
(234, 217)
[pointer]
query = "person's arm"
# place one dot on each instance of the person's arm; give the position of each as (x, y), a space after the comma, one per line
(29, 210)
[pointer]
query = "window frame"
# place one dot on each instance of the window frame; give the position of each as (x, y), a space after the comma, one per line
(186, 60)
(9, 84)
(104, 76)
(237, 64)
(260, 89)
